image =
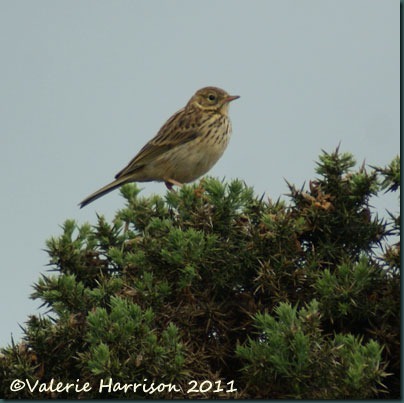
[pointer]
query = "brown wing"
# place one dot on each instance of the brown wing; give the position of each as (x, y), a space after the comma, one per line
(179, 129)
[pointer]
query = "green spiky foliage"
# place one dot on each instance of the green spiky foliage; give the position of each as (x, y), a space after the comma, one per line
(224, 293)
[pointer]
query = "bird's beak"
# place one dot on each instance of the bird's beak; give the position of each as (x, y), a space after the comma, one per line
(232, 98)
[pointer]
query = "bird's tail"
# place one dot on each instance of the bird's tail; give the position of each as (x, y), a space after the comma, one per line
(104, 190)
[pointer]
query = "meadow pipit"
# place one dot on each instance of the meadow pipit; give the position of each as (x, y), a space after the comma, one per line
(185, 148)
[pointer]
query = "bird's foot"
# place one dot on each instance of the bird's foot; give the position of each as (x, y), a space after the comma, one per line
(171, 182)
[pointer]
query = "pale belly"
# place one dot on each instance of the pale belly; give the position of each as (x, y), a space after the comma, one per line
(189, 161)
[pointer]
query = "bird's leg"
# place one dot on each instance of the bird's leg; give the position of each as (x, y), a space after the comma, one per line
(171, 182)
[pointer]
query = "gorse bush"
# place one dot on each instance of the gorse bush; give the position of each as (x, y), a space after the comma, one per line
(211, 291)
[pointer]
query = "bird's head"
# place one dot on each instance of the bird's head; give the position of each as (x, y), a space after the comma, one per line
(212, 99)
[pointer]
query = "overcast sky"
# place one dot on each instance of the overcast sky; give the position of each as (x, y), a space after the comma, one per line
(84, 85)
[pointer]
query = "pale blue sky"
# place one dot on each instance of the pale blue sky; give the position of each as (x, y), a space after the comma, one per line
(85, 84)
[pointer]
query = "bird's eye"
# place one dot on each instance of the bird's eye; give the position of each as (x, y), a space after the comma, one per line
(212, 97)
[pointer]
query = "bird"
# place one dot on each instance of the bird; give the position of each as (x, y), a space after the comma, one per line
(185, 148)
